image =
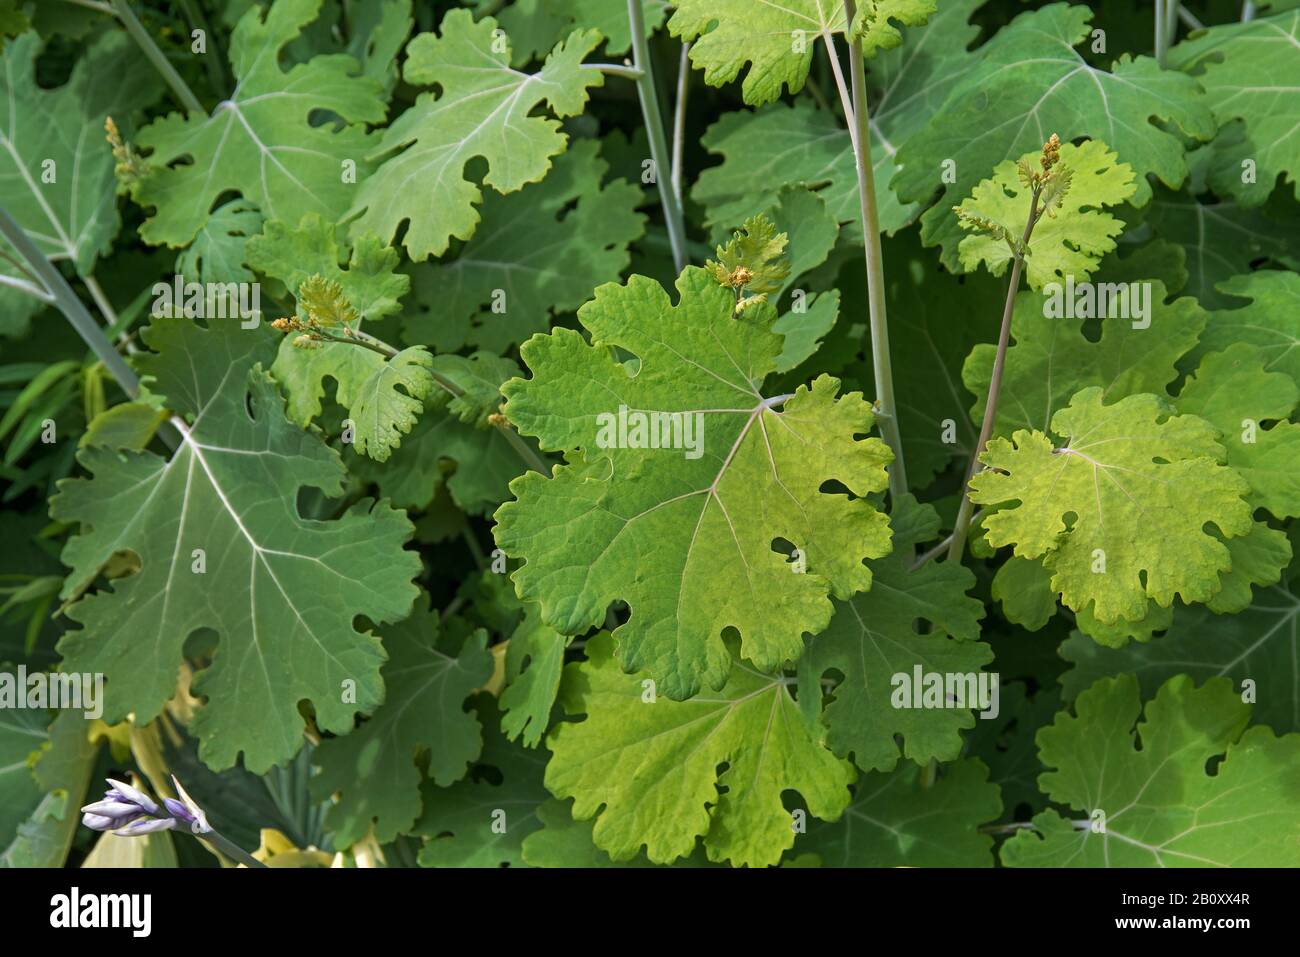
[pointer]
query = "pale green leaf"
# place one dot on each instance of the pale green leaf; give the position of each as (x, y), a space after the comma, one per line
(685, 534)
(536, 254)
(388, 403)
(483, 110)
(777, 40)
(1125, 467)
(1071, 237)
(677, 794)
(1234, 391)
(753, 261)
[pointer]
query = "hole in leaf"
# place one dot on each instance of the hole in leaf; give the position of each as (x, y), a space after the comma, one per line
(834, 487)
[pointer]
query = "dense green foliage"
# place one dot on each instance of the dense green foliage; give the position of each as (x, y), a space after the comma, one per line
(571, 486)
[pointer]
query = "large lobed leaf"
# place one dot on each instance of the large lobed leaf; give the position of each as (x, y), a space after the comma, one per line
(536, 253)
(260, 142)
(1123, 467)
(689, 542)
(483, 109)
(873, 637)
(652, 764)
(280, 591)
(56, 173)
(1160, 805)
(777, 40)
(1030, 82)
(1240, 66)
(374, 768)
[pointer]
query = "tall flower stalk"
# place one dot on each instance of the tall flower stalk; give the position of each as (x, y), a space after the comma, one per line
(1047, 187)
(853, 99)
(654, 127)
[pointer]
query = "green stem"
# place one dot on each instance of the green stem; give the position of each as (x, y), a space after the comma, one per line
(679, 118)
(67, 303)
(937, 550)
(615, 69)
(107, 311)
(957, 546)
(1161, 19)
(229, 849)
(874, 259)
(355, 337)
(156, 57)
(654, 126)
(531, 458)
(525, 451)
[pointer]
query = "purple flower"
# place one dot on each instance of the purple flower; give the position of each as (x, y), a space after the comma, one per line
(128, 811)
(124, 792)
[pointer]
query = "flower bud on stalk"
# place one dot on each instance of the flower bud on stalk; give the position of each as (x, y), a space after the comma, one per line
(128, 811)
